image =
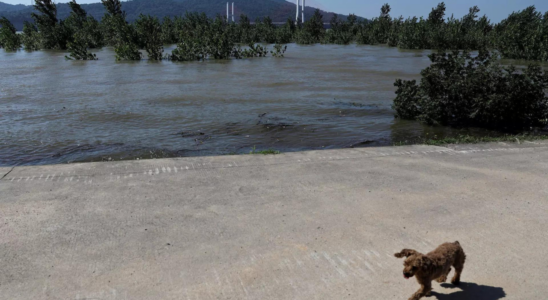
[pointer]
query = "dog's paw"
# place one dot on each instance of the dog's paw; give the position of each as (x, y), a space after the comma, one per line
(416, 296)
(442, 279)
(455, 281)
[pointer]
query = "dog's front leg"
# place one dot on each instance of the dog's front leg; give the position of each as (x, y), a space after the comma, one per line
(423, 291)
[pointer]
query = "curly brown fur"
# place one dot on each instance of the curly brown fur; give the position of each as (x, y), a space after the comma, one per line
(435, 265)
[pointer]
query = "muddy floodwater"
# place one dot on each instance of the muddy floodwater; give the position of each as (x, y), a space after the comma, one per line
(325, 96)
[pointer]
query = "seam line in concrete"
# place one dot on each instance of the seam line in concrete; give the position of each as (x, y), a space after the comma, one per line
(12, 168)
(444, 150)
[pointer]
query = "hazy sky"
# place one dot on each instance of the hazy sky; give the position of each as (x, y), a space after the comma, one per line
(496, 10)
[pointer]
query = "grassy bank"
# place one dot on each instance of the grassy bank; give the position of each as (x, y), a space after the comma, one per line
(467, 139)
(264, 152)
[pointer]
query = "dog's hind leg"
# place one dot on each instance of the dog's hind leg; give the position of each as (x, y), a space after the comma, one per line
(443, 278)
(459, 265)
(456, 278)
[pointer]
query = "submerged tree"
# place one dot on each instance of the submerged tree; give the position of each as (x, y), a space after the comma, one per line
(168, 31)
(523, 35)
(340, 33)
(149, 30)
(279, 50)
(9, 40)
(79, 49)
(84, 33)
(252, 51)
(113, 20)
(54, 35)
(119, 33)
(285, 33)
(376, 31)
(313, 29)
(459, 89)
(266, 31)
(247, 33)
(30, 38)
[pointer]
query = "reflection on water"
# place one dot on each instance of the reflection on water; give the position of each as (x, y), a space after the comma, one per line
(324, 96)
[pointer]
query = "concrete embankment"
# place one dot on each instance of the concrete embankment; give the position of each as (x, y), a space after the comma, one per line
(309, 225)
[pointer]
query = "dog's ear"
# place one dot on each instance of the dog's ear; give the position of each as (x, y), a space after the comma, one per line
(425, 262)
(405, 253)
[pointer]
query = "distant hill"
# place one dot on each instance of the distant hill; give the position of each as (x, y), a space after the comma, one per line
(278, 10)
(9, 7)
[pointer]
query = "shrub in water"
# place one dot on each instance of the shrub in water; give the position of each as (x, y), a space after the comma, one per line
(30, 37)
(149, 30)
(253, 51)
(54, 33)
(340, 33)
(8, 36)
(119, 33)
(523, 35)
(79, 49)
(461, 90)
(284, 34)
(312, 31)
(279, 50)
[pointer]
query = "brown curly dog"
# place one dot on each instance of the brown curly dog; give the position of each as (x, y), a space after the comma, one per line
(435, 265)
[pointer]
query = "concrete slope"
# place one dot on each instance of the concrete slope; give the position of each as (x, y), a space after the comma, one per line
(310, 225)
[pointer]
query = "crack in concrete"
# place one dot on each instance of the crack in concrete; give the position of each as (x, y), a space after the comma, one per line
(12, 168)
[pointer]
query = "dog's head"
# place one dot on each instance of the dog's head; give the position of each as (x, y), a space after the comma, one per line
(414, 263)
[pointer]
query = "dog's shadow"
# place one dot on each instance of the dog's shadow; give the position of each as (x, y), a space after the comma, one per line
(471, 291)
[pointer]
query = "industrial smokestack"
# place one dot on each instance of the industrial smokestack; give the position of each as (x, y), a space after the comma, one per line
(297, 16)
(232, 12)
(302, 19)
(227, 16)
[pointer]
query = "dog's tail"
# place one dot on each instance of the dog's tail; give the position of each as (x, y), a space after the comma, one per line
(461, 252)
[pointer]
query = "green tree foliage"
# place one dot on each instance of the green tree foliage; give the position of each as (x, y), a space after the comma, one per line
(285, 33)
(126, 47)
(246, 32)
(279, 50)
(78, 48)
(31, 38)
(341, 32)
(169, 35)
(462, 90)
(93, 33)
(523, 35)
(377, 30)
(198, 37)
(266, 31)
(86, 26)
(252, 51)
(202, 38)
(46, 21)
(119, 33)
(77, 16)
(54, 34)
(435, 32)
(112, 21)
(84, 31)
(149, 31)
(393, 38)
(313, 30)
(9, 40)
